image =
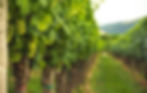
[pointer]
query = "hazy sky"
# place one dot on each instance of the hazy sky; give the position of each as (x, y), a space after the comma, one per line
(111, 11)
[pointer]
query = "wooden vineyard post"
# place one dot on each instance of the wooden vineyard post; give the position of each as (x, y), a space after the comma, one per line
(3, 46)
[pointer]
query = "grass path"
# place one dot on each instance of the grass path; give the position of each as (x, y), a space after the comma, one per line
(111, 76)
(136, 75)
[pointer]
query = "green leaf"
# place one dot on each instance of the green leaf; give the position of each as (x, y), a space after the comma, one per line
(44, 3)
(42, 23)
(15, 56)
(24, 6)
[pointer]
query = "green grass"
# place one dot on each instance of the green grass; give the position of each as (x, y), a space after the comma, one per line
(109, 76)
(34, 85)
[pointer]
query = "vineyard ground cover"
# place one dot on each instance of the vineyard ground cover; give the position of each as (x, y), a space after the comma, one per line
(131, 68)
(111, 76)
(138, 66)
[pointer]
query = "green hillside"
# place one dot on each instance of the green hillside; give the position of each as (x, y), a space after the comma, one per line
(118, 28)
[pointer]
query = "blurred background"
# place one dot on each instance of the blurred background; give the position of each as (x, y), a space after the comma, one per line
(74, 46)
